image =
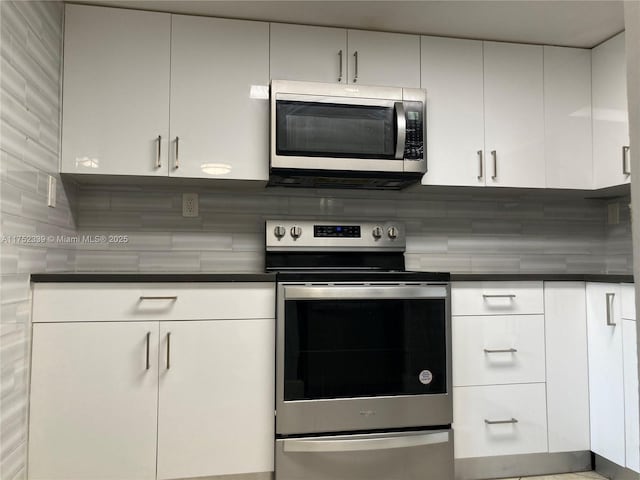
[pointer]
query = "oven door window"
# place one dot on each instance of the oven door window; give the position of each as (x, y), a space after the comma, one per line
(364, 348)
(313, 129)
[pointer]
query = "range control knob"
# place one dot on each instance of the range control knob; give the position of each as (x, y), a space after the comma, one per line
(393, 233)
(377, 233)
(296, 231)
(279, 231)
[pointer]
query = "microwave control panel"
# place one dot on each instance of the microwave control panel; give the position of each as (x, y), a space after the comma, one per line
(414, 143)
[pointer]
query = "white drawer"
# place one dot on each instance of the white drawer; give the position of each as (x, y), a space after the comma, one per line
(628, 297)
(494, 350)
(522, 404)
(496, 298)
(100, 302)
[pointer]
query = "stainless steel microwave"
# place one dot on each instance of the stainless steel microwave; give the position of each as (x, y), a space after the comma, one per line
(346, 136)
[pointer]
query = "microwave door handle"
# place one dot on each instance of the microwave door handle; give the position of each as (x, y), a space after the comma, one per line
(401, 124)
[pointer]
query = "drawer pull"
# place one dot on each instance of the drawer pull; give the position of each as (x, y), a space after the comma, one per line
(500, 422)
(502, 350)
(173, 297)
(507, 295)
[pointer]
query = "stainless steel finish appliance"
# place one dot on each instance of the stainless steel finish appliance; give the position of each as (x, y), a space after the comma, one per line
(350, 136)
(363, 355)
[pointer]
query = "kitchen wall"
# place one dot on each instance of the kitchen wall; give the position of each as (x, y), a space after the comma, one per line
(457, 230)
(31, 34)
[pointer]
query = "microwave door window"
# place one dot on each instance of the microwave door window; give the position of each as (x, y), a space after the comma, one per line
(364, 348)
(334, 130)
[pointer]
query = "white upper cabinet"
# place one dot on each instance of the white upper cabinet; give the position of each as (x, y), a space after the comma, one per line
(336, 55)
(610, 114)
(380, 58)
(219, 98)
(116, 91)
(451, 72)
(304, 53)
(514, 115)
(567, 117)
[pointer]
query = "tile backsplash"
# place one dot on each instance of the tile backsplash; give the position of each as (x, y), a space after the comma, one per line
(447, 230)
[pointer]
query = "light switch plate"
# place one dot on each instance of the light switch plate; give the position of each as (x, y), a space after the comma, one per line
(51, 196)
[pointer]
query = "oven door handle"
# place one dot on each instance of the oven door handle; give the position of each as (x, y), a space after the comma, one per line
(344, 444)
(346, 292)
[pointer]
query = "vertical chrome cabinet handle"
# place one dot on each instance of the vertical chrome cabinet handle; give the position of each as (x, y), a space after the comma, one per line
(148, 346)
(610, 321)
(168, 350)
(625, 160)
(494, 155)
(401, 122)
(177, 152)
(481, 174)
(158, 162)
(340, 60)
(355, 76)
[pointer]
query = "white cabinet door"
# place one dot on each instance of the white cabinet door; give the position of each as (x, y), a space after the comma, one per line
(216, 399)
(610, 113)
(631, 400)
(514, 115)
(498, 349)
(499, 420)
(115, 91)
(94, 401)
(567, 366)
(219, 98)
(304, 53)
(567, 117)
(606, 391)
(451, 72)
(380, 58)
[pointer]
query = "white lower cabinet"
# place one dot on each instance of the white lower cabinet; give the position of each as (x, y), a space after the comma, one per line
(567, 366)
(156, 399)
(499, 420)
(494, 350)
(94, 401)
(631, 401)
(216, 395)
(606, 391)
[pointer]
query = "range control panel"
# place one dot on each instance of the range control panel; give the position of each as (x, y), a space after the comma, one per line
(310, 235)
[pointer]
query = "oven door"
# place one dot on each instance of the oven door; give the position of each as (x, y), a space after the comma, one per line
(362, 357)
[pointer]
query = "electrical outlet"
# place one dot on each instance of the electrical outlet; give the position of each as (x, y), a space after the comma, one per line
(189, 204)
(51, 196)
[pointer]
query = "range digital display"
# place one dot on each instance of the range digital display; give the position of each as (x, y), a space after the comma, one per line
(346, 231)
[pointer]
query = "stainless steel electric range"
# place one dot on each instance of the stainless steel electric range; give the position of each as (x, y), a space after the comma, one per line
(363, 355)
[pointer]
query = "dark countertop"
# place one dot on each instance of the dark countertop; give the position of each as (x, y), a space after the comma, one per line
(121, 277)
(548, 277)
(161, 277)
